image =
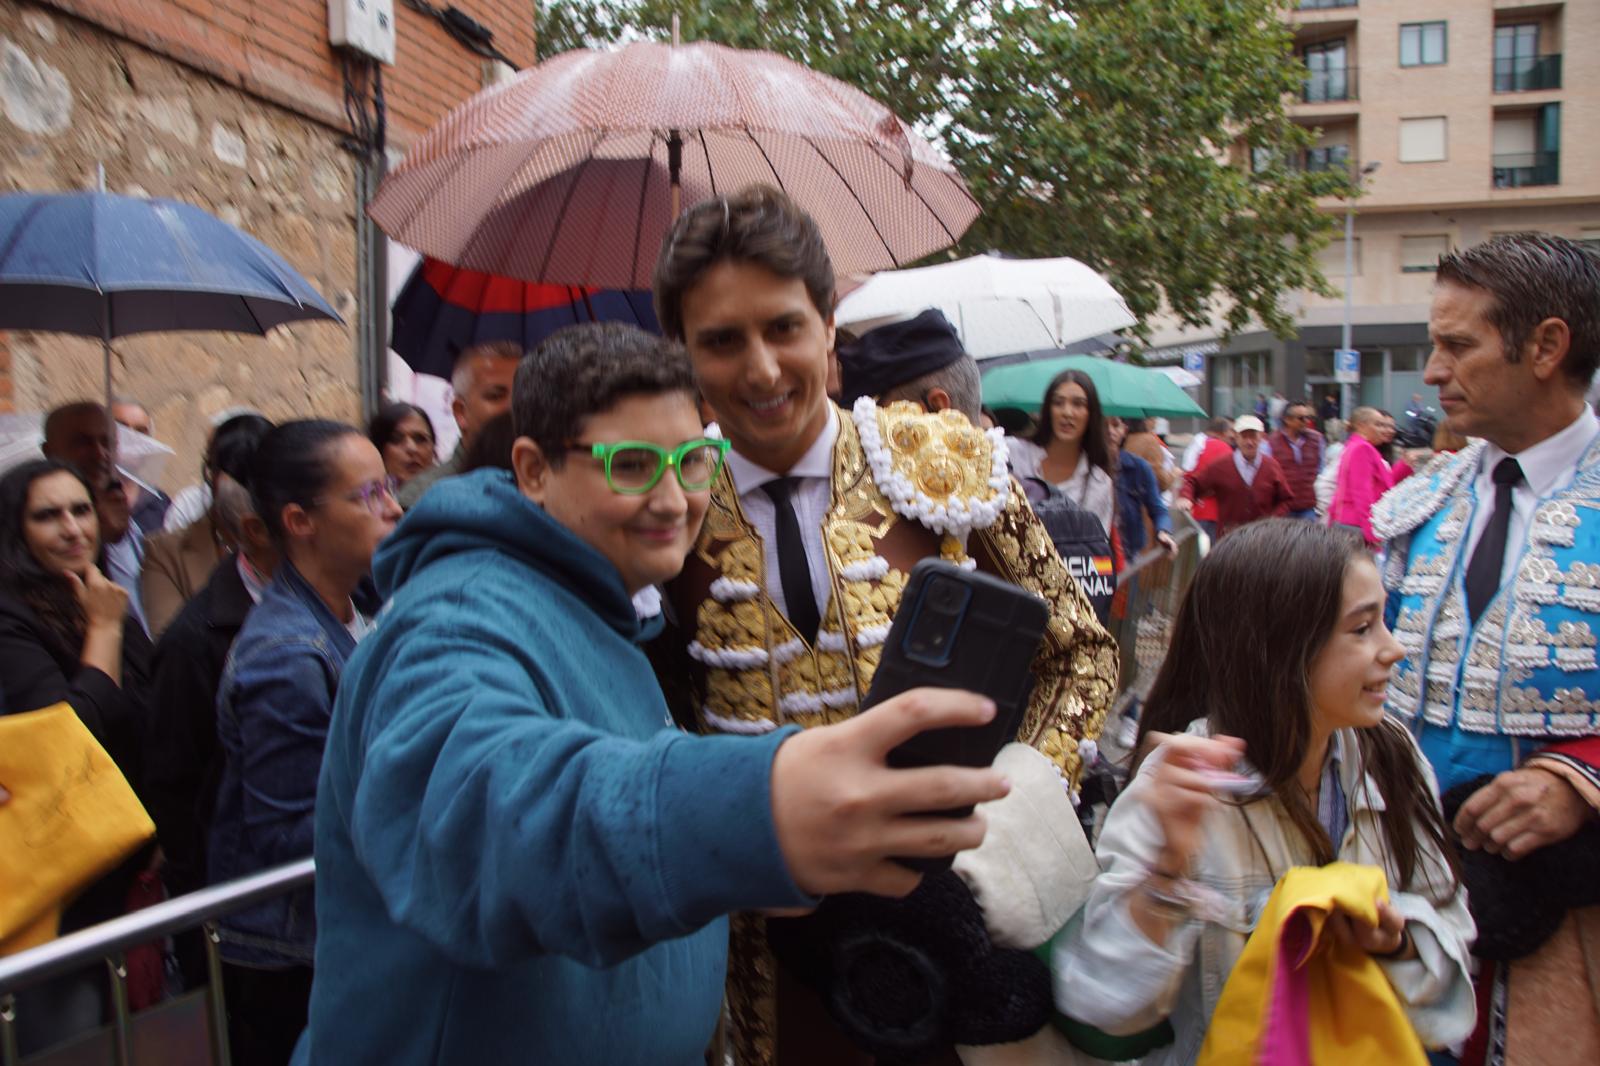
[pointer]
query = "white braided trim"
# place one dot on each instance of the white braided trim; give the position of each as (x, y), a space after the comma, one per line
(816, 702)
(828, 640)
(733, 590)
(872, 636)
(872, 569)
(728, 658)
(954, 516)
(788, 651)
(743, 726)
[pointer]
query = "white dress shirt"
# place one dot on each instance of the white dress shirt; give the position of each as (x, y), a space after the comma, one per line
(1546, 467)
(1089, 487)
(812, 498)
(124, 561)
(1247, 470)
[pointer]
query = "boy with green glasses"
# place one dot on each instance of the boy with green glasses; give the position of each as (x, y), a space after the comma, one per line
(519, 859)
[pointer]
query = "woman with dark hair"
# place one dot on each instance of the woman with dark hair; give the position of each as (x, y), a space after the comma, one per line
(403, 433)
(1068, 448)
(322, 491)
(1330, 777)
(66, 635)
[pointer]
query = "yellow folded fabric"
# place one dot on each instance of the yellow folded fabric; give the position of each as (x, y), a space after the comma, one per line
(1297, 996)
(71, 819)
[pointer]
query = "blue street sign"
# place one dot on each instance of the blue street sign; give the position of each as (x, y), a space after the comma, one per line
(1347, 366)
(1194, 361)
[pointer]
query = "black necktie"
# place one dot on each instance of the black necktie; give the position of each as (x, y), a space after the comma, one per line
(1483, 572)
(793, 571)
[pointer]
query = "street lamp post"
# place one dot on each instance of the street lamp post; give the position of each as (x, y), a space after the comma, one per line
(1349, 278)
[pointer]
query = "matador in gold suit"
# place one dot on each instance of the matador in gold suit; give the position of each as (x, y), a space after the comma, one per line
(905, 485)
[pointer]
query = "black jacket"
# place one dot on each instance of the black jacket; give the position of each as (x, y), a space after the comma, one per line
(38, 670)
(183, 761)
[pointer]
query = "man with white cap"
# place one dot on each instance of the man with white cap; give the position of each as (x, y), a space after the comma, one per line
(1252, 486)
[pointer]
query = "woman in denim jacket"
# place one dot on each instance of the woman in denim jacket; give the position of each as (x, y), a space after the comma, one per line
(325, 496)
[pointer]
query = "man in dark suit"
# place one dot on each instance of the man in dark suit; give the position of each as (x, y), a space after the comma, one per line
(1248, 487)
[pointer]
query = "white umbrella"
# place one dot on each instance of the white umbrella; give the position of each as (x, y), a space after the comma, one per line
(1184, 379)
(998, 306)
(138, 456)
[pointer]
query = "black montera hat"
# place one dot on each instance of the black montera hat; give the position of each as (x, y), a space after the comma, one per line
(892, 355)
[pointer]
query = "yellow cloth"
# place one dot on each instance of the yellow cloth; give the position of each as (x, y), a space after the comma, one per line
(71, 819)
(1297, 995)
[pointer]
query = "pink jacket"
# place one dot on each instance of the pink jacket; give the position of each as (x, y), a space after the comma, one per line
(1363, 477)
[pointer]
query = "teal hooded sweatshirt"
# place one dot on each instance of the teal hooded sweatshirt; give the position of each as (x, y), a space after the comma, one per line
(519, 858)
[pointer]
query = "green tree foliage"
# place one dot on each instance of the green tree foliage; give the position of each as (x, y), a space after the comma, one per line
(1120, 132)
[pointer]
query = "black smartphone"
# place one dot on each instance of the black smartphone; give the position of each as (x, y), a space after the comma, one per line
(960, 629)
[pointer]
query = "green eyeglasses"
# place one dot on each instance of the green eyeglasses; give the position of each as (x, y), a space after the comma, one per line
(633, 466)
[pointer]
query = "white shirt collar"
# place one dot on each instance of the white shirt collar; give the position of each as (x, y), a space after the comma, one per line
(1546, 464)
(817, 461)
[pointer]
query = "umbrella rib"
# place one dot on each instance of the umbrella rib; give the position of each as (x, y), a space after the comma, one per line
(868, 214)
(705, 150)
(566, 201)
(900, 174)
(644, 192)
(17, 231)
(765, 158)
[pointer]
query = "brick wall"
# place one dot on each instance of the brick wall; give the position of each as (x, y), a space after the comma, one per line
(278, 49)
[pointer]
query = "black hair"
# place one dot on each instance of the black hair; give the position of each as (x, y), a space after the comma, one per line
(1532, 277)
(584, 370)
(48, 595)
(383, 425)
(491, 447)
(1095, 445)
(293, 464)
(757, 225)
(234, 445)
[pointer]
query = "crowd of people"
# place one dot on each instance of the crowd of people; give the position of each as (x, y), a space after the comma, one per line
(576, 724)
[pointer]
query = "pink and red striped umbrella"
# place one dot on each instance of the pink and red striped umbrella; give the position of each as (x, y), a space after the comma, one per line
(564, 173)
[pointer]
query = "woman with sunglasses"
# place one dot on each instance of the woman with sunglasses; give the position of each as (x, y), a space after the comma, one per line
(323, 492)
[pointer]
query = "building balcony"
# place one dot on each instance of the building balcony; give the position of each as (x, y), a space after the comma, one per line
(1323, 5)
(1329, 86)
(1517, 170)
(1527, 73)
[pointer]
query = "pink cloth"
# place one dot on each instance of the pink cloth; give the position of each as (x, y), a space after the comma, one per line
(1363, 478)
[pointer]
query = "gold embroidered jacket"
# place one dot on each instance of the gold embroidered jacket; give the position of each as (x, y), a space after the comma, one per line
(743, 668)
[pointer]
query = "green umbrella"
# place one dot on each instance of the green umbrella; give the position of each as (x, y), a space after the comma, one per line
(1125, 391)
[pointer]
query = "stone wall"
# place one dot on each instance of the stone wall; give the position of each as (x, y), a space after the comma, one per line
(234, 106)
(76, 98)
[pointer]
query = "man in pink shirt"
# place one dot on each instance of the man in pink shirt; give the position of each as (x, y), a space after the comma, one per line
(1363, 474)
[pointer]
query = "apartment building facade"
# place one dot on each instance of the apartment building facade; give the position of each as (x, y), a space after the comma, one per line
(1465, 119)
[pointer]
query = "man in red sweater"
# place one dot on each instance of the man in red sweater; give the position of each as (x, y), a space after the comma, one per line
(1299, 450)
(1249, 487)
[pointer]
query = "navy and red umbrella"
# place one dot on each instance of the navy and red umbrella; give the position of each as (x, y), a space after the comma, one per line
(444, 309)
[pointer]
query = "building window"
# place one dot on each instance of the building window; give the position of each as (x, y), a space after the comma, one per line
(1422, 140)
(1527, 147)
(1236, 380)
(1518, 66)
(1420, 255)
(1331, 260)
(1328, 157)
(1422, 44)
(1328, 72)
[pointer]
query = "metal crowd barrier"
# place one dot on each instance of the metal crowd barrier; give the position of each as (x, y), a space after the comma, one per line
(189, 1030)
(1149, 590)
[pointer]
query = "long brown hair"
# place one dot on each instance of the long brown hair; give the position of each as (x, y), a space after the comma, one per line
(1261, 607)
(1096, 447)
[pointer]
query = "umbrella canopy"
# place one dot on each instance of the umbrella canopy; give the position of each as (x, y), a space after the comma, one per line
(103, 265)
(443, 310)
(141, 456)
(1125, 391)
(999, 306)
(566, 172)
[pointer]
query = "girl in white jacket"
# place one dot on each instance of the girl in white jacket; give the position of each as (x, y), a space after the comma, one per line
(1279, 649)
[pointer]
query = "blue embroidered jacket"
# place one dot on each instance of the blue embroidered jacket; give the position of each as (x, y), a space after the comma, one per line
(1528, 668)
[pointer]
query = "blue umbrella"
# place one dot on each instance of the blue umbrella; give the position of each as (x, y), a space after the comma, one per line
(102, 265)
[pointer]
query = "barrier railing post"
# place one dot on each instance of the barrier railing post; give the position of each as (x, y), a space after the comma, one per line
(8, 1030)
(121, 1019)
(216, 1001)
